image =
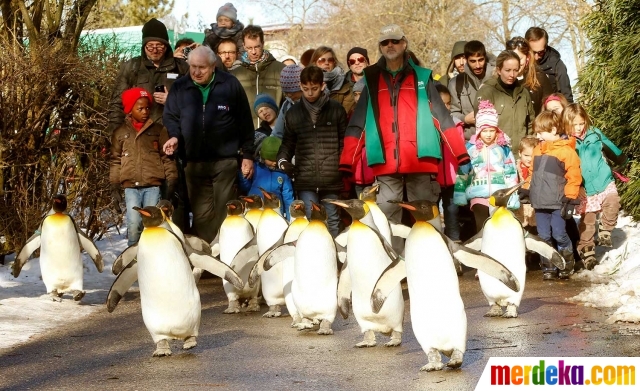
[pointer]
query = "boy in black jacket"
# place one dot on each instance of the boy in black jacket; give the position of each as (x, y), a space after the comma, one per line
(314, 133)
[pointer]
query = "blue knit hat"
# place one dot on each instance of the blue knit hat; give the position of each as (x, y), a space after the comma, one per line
(265, 100)
(290, 78)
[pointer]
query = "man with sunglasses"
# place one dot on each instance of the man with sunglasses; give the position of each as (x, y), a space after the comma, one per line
(549, 61)
(402, 122)
(357, 59)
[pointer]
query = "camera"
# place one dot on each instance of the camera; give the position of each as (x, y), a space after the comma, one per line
(186, 51)
(159, 88)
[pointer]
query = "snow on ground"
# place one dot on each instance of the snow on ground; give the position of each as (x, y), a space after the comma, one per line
(616, 280)
(27, 310)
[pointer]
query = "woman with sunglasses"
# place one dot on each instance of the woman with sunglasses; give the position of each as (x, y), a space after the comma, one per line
(530, 73)
(325, 58)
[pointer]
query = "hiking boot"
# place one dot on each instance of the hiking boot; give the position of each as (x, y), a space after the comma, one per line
(604, 237)
(588, 256)
(549, 275)
(569, 262)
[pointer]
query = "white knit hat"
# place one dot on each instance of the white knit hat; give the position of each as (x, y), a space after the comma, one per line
(487, 116)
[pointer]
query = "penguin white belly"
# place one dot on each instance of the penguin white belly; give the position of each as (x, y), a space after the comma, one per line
(60, 257)
(380, 219)
(270, 230)
(235, 232)
(503, 240)
(315, 281)
(438, 318)
(367, 260)
(293, 233)
(169, 297)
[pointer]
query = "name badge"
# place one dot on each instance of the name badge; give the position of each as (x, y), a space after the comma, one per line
(172, 76)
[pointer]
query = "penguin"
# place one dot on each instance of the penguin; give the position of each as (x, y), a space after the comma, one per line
(315, 275)
(438, 318)
(504, 239)
(60, 242)
(368, 255)
(239, 250)
(169, 298)
(253, 209)
(299, 222)
(270, 234)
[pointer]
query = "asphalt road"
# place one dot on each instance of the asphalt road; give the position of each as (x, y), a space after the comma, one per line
(247, 352)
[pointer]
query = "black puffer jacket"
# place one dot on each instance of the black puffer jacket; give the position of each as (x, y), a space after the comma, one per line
(317, 148)
(552, 65)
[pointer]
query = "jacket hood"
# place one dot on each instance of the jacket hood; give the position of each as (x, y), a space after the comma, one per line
(487, 74)
(547, 146)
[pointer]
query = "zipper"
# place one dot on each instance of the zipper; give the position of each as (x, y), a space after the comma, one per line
(315, 159)
(396, 131)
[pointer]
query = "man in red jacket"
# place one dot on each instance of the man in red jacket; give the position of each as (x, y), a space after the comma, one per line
(404, 126)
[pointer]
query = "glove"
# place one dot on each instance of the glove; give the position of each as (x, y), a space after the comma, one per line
(288, 168)
(568, 207)
(523, 194)
(170, 190)
(116, 195)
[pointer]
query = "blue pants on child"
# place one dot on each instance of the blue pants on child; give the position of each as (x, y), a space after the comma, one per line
(551, 224)
(333, 215)
(141, 197)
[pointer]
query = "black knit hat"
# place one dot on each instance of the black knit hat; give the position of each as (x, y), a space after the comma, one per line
(155, 30)
(359, 51)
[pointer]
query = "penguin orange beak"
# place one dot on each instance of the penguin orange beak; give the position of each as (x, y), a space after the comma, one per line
(375, 187)
(315, 206)
(265, 193)
(141, 211)
(298, 206)
(403, 205)
(231, 206)
(514, 188)
(246, 199)
(337, 202)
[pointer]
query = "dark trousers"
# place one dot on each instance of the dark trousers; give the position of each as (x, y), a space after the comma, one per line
(210, 186)
(181, 205)
(480, 214)
(551, 224)
(451, 211)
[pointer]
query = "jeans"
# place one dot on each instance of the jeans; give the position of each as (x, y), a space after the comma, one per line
(333, 214)
(141, 197)
(450, 211)
(550, 223)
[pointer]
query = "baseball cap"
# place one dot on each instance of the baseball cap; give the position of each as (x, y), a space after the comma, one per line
(392, 31)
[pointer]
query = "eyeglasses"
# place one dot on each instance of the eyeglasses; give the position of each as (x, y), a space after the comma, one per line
(540, 52)
(393, 41)
(251, 49)
(353, 61)
(156, 48)
(329, 60)
(226, 53)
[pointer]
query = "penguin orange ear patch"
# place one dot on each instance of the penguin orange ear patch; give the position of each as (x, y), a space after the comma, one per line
(231, 206)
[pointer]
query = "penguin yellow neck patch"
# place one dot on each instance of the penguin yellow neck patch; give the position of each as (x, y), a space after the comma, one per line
(501, 214)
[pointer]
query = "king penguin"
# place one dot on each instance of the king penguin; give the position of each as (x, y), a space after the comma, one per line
(169, 298)
(270, 234)
(438, 318)
(368, 255)
(253, 209)
(61, 243)
(504, 239)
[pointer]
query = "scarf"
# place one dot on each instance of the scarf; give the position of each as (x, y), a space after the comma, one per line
(245, 58)
(315, 107)
(224, 32)
(428, 136)
(334, 79)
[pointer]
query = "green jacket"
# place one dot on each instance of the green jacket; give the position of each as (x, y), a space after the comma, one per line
(515, 114)
(596, 172)
(262, 78)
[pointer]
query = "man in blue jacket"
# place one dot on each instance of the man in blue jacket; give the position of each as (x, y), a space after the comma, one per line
(208, 118)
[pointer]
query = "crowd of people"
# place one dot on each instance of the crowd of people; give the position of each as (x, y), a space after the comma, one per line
(208, 122)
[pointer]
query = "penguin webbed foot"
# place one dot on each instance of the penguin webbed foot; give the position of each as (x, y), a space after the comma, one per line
(254, 305)
(56, 296)
(369, 340)
(190, 343)
(494, 311)
(233, 308)
(162, 349)
(304, 324)
(511, 312)
(456, 359)
(295, 320)
(78, 295)
(435, 361)
(325, 328)
(274, 312)
(396, 340)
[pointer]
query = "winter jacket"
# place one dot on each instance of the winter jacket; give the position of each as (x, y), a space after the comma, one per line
(541, 93)
(491, 168)
(515, 113)
(137, 158)
(260, 78)
(595, 169)
(215, 34)
(274, 181)
(344, 96)
(278, 130)
(316, 147)
(448, 166)
(554, 68)
(211, 130)
(394, 102)
(140, 72)
(464, 102)
(555, 174)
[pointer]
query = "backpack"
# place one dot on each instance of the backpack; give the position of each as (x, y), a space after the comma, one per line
(459, 84)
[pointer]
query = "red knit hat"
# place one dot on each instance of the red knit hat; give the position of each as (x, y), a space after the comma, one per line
(131, 96)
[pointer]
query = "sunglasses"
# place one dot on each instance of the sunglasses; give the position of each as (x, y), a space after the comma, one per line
(539, 53)
(152, 48)
(393, 41)
(354, 61)
(322, 60)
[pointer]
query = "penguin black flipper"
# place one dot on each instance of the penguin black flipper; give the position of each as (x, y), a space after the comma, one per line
(246, 254)
(341, 252)
(121, 285)
(475, 242)
(399, 230)
(32, 244)
(535, 244)
(271, 257)
(344, 290)
(387, 246)
(477, 260)
(88, 246)
(387, 282)
(205, 261)
(198, 244)
(129, 254)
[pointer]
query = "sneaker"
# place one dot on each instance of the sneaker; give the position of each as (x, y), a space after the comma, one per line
(570, 263)
(549, 275)
(604, 237)
(588, 256)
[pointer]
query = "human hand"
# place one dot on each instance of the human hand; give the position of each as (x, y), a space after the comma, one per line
(288, 168)
(247, 168)
(170, 146)
(568, 207)
(160, 97)
(116, 196)
(470, 118)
